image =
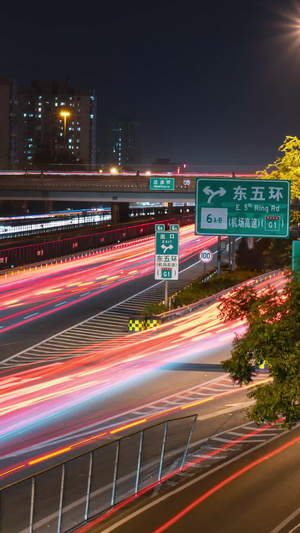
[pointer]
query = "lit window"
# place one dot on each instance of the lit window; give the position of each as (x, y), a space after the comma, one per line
(40, 97)
(92, 116)
(31, 115)
(61, 134)
(62, 103)
(40, 116)
(70, 140)
(55, 104)
(39, 109)
(78, 129)
(25, 115)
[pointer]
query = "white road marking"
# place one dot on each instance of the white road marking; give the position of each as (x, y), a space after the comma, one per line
(29, 316)
(183, 487)
(286, 521)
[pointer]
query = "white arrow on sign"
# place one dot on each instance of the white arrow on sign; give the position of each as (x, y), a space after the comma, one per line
(165, 248)
(209, 192)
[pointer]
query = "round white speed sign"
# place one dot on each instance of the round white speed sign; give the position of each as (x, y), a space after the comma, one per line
(205, 256)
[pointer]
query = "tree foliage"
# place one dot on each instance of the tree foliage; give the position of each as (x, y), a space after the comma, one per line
(273, 335)
(286, 167)
(266, 254)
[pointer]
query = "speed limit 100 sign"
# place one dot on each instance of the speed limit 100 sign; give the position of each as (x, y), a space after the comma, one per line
(205, 256)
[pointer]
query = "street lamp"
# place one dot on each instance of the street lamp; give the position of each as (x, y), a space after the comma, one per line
(65, 114)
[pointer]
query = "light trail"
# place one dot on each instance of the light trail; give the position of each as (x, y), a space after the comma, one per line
(225, 482)
(31, 397)
(39, 293)
(165, 478)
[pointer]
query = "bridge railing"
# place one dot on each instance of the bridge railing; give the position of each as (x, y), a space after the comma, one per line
(75, 491)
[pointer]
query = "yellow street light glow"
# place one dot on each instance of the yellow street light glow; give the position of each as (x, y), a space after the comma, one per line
(65, 113)
(148, 173)
(114, 170)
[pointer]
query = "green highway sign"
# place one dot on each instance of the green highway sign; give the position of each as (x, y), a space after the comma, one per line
(166, 255)
(162, 184)
(166, 273)
(166, 241)
(296, 256)
(174, 227)
(242, 207)
(159, 227)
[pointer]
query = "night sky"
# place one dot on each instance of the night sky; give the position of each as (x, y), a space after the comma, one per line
(215, 84)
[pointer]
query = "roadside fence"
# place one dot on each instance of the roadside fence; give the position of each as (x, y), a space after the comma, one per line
(75, 491)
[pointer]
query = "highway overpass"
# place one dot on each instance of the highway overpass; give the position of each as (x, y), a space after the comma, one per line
(100, 187)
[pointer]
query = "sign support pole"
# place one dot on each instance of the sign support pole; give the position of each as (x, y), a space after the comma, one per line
(230, 245)
(219, 257)
(233, 254)
(166, 293)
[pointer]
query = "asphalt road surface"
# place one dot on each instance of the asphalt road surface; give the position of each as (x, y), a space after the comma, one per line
(257, 491)
(38, 304)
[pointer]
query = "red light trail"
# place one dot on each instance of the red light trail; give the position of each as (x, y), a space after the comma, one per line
(39, 293)
(31, 396)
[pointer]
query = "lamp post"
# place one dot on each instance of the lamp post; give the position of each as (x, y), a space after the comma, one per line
(65, 114)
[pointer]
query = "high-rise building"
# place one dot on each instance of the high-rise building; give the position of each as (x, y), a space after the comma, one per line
(8, 124)
(56, 125)
(124, 142)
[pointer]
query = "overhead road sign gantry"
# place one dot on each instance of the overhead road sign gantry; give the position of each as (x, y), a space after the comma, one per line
(242, 207)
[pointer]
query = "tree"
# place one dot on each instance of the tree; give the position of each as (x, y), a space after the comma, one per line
(286, 167)
(273, 335)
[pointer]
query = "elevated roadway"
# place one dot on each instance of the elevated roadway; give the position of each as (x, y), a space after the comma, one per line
(93, 186)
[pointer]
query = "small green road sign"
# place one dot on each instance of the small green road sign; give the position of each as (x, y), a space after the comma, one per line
(162, 184)
(244, 208)
(166, 243)
(159, 227)
(174, 227)
(296, 256)
(166, 255)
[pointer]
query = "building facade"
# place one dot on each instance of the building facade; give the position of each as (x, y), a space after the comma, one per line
(8, 124)
(124, 142)
(56, 125)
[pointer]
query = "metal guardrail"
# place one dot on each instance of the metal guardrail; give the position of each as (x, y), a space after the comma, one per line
(170, 315)
(73, 492)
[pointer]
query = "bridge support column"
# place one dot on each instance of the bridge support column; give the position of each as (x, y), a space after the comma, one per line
(119, 212)
(170, 208)
(48, 206)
